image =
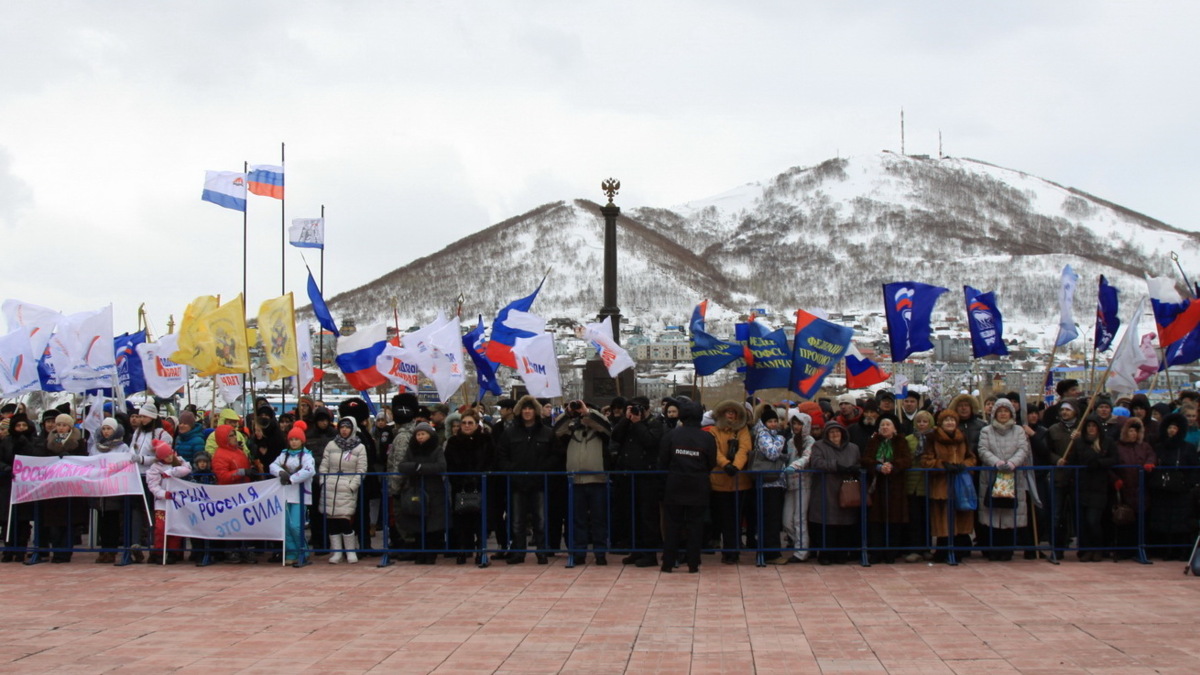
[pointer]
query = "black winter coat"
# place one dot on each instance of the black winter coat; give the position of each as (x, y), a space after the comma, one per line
(468, 454)
(1094, 476)
(1170, 510)
(688, 454)
(636, 444)
(531, 448)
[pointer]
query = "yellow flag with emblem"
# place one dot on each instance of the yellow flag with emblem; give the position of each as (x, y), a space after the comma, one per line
(191, 334)
(277, 328)
(224, 344)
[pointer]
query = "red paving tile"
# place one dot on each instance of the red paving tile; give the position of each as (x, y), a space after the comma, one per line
(1026, 617)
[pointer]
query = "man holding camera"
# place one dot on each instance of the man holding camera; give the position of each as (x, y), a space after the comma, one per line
(586, 433)
(635, 444)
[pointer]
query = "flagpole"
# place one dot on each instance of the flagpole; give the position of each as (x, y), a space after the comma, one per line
(321, 333)
(1104, 379)
(245, 171)
(1050, 364)
(282, 230)
(297, 360)
(1092, 374)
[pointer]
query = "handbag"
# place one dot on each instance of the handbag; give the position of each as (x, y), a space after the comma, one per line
(965, 498)
(467, 503)
(1122, 513)
(1002, 494)
(412, 500)
(850, 494)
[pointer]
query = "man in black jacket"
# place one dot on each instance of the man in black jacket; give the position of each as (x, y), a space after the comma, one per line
(688, 454)
(526, 446)
(636, 437)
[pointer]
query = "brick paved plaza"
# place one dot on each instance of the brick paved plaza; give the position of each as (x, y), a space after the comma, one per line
(1029, 617)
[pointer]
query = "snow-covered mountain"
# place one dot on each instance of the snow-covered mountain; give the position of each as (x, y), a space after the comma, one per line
(824, 236)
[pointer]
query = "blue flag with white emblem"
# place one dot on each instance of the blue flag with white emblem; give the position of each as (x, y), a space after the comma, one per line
(985, 322)
(908, 306)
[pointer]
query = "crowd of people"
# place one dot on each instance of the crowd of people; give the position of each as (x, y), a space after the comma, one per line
(829, 480)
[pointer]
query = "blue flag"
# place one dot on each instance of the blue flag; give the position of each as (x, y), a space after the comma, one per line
(908, 306)
(985, 322)
(320, 309)
(768, 358)
(819, 345)
(1107, 321)
(485, 374)
(708, 353)
(129, 365)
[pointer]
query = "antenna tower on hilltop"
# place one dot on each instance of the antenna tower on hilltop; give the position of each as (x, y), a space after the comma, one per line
(940, 155)
(902, 131)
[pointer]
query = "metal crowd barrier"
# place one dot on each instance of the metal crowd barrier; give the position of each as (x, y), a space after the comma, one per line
(1057, 526)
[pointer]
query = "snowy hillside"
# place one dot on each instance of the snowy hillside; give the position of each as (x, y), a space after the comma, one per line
(823, 236)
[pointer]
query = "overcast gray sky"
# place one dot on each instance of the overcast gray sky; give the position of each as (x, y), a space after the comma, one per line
(417, 123)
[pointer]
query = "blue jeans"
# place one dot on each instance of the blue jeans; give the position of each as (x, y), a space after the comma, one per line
(590, 524)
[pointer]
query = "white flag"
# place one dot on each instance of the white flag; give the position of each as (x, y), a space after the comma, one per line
(307, 233)
(1149, 358)
(615, 358)
(399, 367)
(95, 416)
(81, 350)
(18, 367)
(1128, 359)
(304, 351)
(446, 357)
(418, 343)
(164, 377)
(538, 365)
(230, 387)
(92, 336)
(38, 322)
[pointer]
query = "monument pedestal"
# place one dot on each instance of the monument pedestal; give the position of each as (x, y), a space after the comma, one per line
(599, 388)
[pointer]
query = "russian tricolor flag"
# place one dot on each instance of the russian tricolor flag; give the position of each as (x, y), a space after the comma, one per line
(266, 180)
(862, 372)
(1177, 320)
(504, 336)
(358, 353)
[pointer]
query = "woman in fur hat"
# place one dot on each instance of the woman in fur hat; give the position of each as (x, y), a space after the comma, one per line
(731, 495)
(950, 455)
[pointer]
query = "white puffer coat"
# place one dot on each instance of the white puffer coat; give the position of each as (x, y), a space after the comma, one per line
(339, 493)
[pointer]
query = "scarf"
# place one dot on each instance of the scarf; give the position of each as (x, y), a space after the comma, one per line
(105, 446)
(346, 444)
(884, 453)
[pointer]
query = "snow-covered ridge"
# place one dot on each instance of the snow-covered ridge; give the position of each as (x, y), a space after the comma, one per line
(826, 236)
